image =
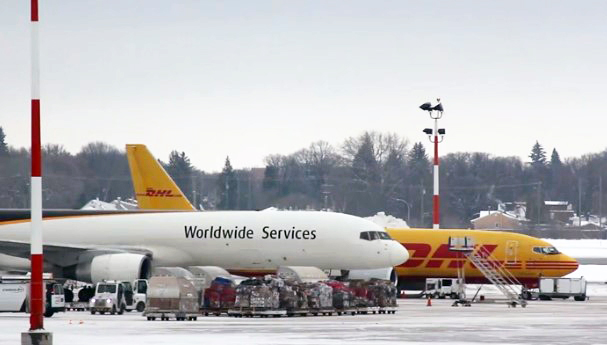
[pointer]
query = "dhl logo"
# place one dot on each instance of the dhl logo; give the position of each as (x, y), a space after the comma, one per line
(422, 251)
(165, 193)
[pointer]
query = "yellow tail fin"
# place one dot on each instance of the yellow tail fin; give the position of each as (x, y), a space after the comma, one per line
(154, 188)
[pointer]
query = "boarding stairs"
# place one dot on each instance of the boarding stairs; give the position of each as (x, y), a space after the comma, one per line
(490, 267)
(498, 275)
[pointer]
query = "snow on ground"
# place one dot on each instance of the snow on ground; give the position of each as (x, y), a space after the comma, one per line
(541, 322)
(581, 248)
(592, 273)
(387, 221)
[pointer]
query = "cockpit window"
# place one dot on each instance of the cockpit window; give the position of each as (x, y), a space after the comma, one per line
(374, 235)
(384, 236)
(546, 250)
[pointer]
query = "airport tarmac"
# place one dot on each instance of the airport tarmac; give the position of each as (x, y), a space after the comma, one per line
(542, 322)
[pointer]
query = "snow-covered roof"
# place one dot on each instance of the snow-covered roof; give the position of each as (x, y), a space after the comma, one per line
(117, 204)
(483, 214)
(555, 203)
(388, 221)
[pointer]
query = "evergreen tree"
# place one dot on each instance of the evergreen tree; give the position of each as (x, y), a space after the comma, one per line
(180, 169)
(364, 165)
(226, 187)
(555, 159)
(538, 155)
(419, 163)
(3, 146)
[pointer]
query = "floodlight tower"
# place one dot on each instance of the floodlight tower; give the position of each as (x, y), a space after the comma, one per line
(436, 112)
(36, 333)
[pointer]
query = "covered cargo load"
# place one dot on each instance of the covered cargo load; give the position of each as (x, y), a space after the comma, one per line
(170, 297)
(172, 271)
(342, 297)
(301, 274)
(257, 296)
(219, 296)
(382, 293)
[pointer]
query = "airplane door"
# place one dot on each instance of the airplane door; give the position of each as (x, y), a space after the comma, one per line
(511, 251)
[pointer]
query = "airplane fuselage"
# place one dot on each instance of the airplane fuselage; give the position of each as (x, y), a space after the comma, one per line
(520, 254)
(236, 240)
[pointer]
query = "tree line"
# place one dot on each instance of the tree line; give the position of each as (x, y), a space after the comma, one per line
(366, 174)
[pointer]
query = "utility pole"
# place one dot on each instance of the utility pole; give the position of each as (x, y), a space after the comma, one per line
(250, 203)
(227, 193)
(579, 204)
(539, 202)
(422, 192)
(194, 190)
(601, 202)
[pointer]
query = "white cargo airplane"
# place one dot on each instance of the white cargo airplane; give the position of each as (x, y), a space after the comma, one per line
(95, 245)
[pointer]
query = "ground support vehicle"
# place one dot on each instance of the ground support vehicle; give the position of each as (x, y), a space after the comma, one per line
(171, 298)
(15, 295)
(136, 299)
(109, 297)
(442, 288)
(564, 288)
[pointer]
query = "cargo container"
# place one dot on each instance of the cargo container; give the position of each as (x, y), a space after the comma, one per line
(171, 297)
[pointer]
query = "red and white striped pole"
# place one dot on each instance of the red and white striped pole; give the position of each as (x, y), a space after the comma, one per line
(435, 197)
(36, 287)
(436, 112)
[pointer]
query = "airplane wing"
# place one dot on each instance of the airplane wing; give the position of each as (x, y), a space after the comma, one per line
(64, 255)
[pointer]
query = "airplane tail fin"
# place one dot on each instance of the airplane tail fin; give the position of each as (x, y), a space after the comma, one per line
(154, 188)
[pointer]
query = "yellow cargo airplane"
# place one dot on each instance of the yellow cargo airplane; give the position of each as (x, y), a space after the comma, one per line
(526, 257)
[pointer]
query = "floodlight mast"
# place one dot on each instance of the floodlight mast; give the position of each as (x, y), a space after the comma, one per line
(36, 285)
(436, 112)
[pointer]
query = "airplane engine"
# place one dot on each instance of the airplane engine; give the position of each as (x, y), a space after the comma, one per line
(387, 273)
(121, 266)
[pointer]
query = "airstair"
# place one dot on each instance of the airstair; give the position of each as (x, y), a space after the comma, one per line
(490, 267)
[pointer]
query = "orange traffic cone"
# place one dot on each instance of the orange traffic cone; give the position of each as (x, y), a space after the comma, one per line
(81, 322)
(70, 322)
(429, 303)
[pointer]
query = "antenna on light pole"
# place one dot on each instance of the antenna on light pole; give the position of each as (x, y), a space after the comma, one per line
(436, 112)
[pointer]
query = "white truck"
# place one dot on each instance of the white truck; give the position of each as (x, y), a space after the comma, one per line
(15, 295)
(137, 300)
(564, 288)
(109, 297)
(118, 296)
(442, 288)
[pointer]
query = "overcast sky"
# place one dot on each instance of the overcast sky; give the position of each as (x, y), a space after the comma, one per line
(252, 78)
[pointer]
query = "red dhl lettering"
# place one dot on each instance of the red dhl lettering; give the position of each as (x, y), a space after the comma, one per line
(421, 251)
(151, 192)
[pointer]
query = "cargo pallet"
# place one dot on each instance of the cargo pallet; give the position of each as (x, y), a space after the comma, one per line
(252, 312)
(166, 316)
(344, 311)
(213, 311)
(312, 311)
(387, 310)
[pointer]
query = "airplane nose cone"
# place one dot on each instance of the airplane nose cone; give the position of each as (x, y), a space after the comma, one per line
(398, 254)
(573, 263)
